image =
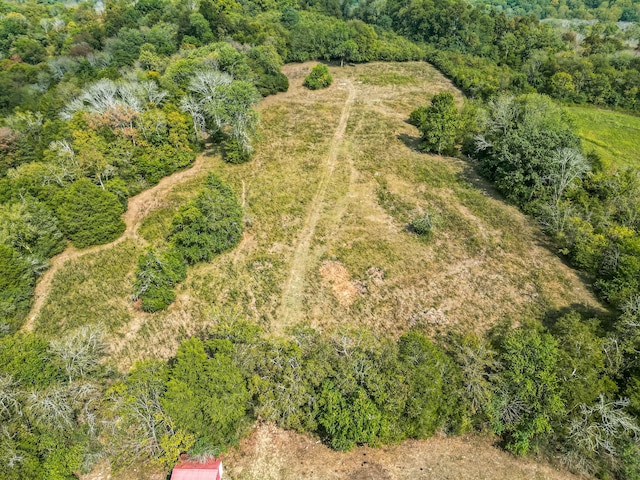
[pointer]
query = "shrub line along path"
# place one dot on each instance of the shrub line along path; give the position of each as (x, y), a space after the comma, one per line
(293, 290)
(139, 206)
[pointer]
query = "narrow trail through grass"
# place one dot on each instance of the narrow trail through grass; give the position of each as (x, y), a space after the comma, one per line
(139, 206)
(293, 290)
(327, 198)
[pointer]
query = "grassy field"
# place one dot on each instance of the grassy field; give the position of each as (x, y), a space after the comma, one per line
(615, 136)
(92, 289)
(327, 199)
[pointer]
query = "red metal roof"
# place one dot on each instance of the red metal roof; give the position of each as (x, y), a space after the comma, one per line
(186, 470)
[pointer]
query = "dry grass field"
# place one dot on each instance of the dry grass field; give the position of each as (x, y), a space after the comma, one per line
(327, 198)
(270, 453)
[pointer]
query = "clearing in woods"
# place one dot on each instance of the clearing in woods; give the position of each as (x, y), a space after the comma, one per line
(611, 134)
(328, 195)
(334, 182)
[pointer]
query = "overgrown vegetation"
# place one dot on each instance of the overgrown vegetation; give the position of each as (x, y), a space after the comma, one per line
(539, 390)
(439, 124)
(319, 77)
(50, 397)
(203, 228)
(102, 101)
(485, 52)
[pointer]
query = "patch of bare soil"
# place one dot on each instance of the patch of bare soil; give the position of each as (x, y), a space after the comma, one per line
(270, 453)
(336, 277)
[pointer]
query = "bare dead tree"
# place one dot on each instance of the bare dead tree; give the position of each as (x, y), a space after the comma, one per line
(51, 408)
(205, 83)
(598, 427)
(9, 397)
(80, 351)
(568, 166)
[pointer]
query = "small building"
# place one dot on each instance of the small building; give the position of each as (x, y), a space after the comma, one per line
(190, 470)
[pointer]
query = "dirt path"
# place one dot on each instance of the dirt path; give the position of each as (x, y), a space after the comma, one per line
(270, 453)
(138, 208)
(293, 290)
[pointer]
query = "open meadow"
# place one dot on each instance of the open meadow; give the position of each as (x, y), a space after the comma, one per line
(612, 135)
(327, 198)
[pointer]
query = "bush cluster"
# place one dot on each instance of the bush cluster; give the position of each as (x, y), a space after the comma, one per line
(544, 391)
(422, 225)
(549, 391)
(318, 78)
(203, 228)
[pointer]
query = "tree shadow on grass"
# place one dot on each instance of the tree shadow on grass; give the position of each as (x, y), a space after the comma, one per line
(410, 141)
(471, 175)
(607, 317)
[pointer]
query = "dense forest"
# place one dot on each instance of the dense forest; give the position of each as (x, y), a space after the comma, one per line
(100, 101)
(616, 11)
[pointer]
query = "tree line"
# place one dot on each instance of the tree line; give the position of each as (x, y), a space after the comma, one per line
(527, 147)
(568, 391)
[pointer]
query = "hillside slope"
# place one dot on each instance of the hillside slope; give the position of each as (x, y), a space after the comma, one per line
(335, 180)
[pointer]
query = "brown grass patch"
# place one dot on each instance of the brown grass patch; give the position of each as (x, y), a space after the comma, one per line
(336, 277)
(270, 453)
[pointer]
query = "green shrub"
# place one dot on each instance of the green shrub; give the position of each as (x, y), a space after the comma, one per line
(119, 188)
(528, 390)
(432, 380)
(16, 287)
(519, 144)
(348, 421)
(206, 395)
(28, 360)
(235, 152)
(89, 214)
(156, 278)
(422, 225)
(209, 225)
(205, 227)
(272, 84)
(318, 78)
(418, 116)
(30, 227)
(158, 297)
(439, 124)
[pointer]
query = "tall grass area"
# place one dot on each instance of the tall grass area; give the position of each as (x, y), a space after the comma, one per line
(94, 289)
(615, 136)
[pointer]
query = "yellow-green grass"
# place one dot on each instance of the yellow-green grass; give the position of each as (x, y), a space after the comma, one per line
(615, 136)
(351, 193)
(93, 289)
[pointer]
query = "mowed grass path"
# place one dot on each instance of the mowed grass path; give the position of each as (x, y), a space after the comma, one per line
(615, 136)
(354, 264)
